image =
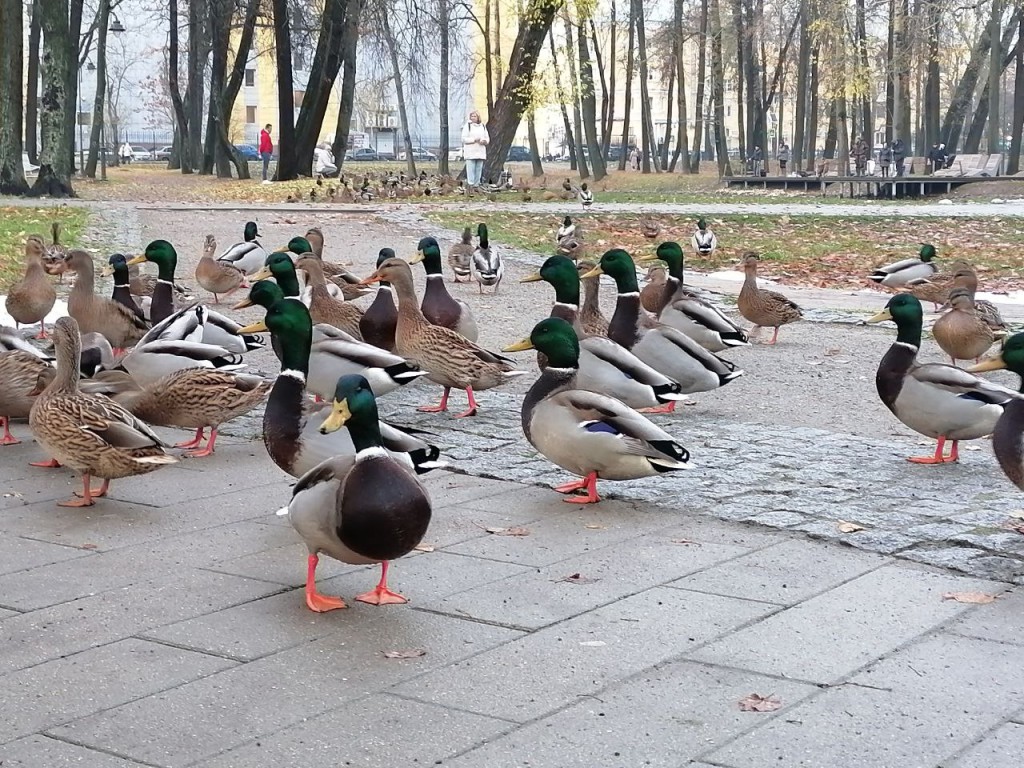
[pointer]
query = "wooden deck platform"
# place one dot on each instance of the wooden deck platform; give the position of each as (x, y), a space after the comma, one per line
(862, 186)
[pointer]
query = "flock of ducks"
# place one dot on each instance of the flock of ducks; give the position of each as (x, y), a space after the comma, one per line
(150, 355)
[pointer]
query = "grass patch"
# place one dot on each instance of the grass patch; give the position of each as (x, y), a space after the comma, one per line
(818, 251)
(16, 223)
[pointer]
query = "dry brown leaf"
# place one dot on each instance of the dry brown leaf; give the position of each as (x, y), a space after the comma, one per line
(88, 546)
(508, 531)
(410, 654)
(684, 541)
(755, 702)
(847, 527)
(424, 547)
(579, 578)
(596, 527)
(976, 598)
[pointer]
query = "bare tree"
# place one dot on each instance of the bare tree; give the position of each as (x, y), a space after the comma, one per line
(1017, 129)
(647, 123)
(702, 57)
(577, 116)
(32, 97)
(628, 96)
(182, 144)
(589, 104)
(443, 28)
(12, 172)
(287, 168)
(570, 137)
(99, 107)
(346, 103)
(397, 72)
(718, 88)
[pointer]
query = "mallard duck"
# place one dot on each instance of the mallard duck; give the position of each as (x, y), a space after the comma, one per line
(460, 257)
(592, 321)
(378, 323)
(703, 241)
(55, 253)
(30, 300)
(585, 195)
(291, 426)
(337, 274)
(652, 294)
(97, 314)
(665, 349)
(438, 306)
(247, 256)
(450, 359)
(573, 247)
(1006, 436)
(19, 370)
(323, 307)
(216, 276)
(487, 264)
(940, 401)
(650, 228)
(900, 273)
(567, 229)
(965, 277)
(195, 398)
(161, 253)
(90, 433)
(686, 311)
(117, 265)
(361, 508)
(961, 333)
(587, 433)
(604, 366)
(762, 307)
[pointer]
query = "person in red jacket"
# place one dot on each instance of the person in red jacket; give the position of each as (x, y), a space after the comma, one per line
(266, 150)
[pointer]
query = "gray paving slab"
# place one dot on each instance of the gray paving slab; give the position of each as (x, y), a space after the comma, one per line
(553, 667)
(42, 751)
(96, 679)
(1000, 749)
(50, 633)
(18, 553)
(358, 734)
(784, 574)
(696, 709)
(832, 635)
(549, 594)
(447, 488)
(206, 717)
(4, 613)
(38, 485)
(1000, 621)
(927, 703)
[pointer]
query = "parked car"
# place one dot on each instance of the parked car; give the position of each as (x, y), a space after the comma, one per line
(363, 154)
(419, 153)
(518, 154)
(249, 151)
(164, 153)
(141, 153)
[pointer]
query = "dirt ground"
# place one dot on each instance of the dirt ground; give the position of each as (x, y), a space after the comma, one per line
(819, 375)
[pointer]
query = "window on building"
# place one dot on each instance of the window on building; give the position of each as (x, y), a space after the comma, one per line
(250, 77)
(250, 115)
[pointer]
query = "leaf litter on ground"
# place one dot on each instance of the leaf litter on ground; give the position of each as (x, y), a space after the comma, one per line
(755, 702)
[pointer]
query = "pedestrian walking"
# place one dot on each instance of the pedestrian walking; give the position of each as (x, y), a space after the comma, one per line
(784, 156)
(885, 160)
(756, 159)
(266, 150)
(474, 148)
(127, 154)
(860, 156)
(899, 156)
(634, 159)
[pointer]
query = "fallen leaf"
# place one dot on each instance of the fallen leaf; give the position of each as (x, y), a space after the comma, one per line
(847, 527)
(977, 598)
(595, 527)
(685, 541)
(424, 547)
(578, 578)
(755, 702)
(88, 546)
(508, 531)
(410, 654)
(831, 351)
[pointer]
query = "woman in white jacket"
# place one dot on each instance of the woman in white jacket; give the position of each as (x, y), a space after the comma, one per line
(474, 148)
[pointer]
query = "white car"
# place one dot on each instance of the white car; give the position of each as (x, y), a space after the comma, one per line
(419, 153)
(141, 153)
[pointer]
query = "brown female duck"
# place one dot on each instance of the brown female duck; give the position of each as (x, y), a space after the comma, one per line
(30, 300)
(765, 309)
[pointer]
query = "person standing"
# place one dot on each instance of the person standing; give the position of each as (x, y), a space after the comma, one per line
(755, 161)
(899, 155)
(885, 160)
(474, 148)
(784, 155)
(127, 154)
(860, 156)
(266, 150)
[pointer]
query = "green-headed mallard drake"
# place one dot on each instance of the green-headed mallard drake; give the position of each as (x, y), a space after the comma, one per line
(704, 241)
(900, 273)
(117, 266)
(20, 367)
(487, 266)
(379, 321)
(248, 256)
(765, 309)
(665, 349)
(587, 433)
(359, 508)
(591, 320)
(1006, 437)
(438, 306)
(30, 299)
(961, 333)
(291, 431)
(217, 276)
(450, 359)
(460, 257)
(604, 366)
(97, 314)
(90, 433)
(161, 253)
(940, 401)
(684, 310)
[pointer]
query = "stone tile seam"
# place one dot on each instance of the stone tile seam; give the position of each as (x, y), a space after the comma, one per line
(102, 750)
(953, 758)
(191, 649)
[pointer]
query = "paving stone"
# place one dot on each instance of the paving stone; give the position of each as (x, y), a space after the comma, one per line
(18, 553)
(833, 634)
(784, 574)
(448, 488)
(50, 633)
(357, 734)
(696, 710)
(936, 531)
(1000, 749)
(206, 717)
(589, 652)
(778, 519)
(943, 556)
(986, 517)
(883, 542)
(42, 751)
(1000, 621)
(87, 682)
(997, 567)
(947, 694)
(4, 613)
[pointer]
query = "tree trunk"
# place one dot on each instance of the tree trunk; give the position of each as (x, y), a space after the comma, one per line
(219, 22)
(829, 151)
(346, 103)
(1013, 163)
(99, 103)
(577, 117)
(628, 97)
(570, 139)
(752, 69)
(12, 172)
(54, 177)
(498, 61)
(531, 136)
(803, 71)
(718, 89)
(514, 96)
(32, 97)
(589, 105)
(602, 125)
(194, 94)
(931, 88)
(609, 116)
(972, 144)
(666, 138)
(645, 98)
(811, 128)
(180, 117)
(699, 106)
(442, 98)
(71, 80)
(901, 71)
(865, 100)
(287, 167)
(396, 73)
(963, 95)
(682, 149)
(488, 57)
(738, 27)
(234, 84)
(995, 127)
